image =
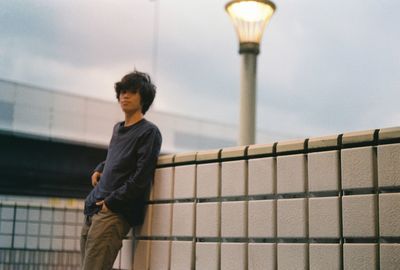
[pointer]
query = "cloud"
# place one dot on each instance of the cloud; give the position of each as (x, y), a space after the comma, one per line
(330, 65)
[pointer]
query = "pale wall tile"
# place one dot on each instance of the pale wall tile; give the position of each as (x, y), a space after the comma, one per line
(234, 219)
(207, 256)
(389, 165)
(163, 183)
(324, 216)
(207, 219)
(358, 168)
(262, 218)
(208, 182)
(183, 219)
(233, 178)
(185, 182)
(161, 220)
(390, 256)
(159, 255)
(292, 218)
(233, 256)
(261, 256)
(292, 256)
(261, 176)
(323, 171)
(326, 255)
(126, 254)
(182, 255)
(141, 255)
(360, 256)
(291, 174)
(389, 214)
(359, 216)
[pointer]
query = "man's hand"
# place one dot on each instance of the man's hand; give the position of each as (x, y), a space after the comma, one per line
(104, 207)
(95, 178)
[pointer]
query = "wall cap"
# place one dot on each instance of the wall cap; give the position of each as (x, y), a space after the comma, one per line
(323, 142)
(208, 155)
(165, 159)
(292, 145)
(185, 157)
(260, 149)
(358, 136)
(389, 133)
(232, 152)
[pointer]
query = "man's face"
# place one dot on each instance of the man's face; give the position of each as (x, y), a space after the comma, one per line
(130, 101)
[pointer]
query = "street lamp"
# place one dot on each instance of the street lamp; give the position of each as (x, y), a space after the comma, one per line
(249, 18)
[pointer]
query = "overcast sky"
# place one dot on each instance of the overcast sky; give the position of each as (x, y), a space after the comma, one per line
(325, 67)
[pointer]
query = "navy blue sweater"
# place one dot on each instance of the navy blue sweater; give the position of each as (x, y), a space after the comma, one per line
(128, 171)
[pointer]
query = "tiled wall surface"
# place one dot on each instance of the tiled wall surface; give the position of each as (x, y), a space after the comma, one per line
(320, 203)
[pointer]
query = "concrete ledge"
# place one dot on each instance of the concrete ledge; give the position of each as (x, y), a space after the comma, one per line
(260, 149)
(389, 133)
(208, 155)
(358, 136)
(185, 157)
(166, 159)
(323, 142)
(288, 146)
(233, 152)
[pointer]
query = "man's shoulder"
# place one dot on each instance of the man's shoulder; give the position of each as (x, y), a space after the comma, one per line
(151, 127)
(118, 124)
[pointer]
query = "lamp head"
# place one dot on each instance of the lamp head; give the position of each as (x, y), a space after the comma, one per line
(250, 18)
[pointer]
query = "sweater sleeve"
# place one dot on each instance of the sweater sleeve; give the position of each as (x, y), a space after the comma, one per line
(147, 155)
(99, 168)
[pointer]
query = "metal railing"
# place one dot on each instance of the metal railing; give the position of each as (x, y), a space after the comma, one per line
(39, 237)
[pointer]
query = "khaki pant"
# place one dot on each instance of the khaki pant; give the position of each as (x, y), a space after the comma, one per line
(101, 239)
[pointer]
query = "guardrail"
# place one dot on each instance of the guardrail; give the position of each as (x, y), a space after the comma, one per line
(37, 236)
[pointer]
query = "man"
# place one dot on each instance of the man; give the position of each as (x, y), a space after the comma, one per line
(121, 182)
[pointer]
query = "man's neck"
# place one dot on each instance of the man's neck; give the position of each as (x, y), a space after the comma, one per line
(132, 118)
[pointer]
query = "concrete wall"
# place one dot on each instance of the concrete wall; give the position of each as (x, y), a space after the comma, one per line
(319, 203)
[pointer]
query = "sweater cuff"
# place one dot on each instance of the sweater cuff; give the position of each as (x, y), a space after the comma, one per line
(113, 204)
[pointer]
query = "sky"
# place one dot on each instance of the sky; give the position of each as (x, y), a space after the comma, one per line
(325, 67)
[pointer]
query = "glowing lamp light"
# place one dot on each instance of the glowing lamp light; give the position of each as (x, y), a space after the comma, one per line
(250, 18)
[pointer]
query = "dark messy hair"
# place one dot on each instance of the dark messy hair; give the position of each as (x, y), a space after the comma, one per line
(138, 81)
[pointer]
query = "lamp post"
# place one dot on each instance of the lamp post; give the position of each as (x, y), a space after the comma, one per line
(249, 18)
